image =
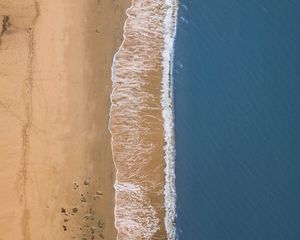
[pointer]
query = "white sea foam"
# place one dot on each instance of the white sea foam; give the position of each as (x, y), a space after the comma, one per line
(184, 19)
(170, 25)
(184, 6)
(135, 217)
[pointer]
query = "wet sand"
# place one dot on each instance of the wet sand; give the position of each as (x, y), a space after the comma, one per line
(138, 123)
(57, 173)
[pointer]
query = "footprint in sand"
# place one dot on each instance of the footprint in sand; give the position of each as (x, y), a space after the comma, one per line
(83, 198)
(86, 183)
(75, 209)
(75, 185)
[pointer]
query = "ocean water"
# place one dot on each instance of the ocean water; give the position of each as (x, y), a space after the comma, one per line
(237, 120)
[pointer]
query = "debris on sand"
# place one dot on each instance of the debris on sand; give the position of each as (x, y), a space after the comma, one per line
(75, 209)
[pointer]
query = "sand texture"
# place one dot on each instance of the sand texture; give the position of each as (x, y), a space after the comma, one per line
(57, 173)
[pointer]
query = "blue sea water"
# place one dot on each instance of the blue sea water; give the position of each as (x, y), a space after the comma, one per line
(237, 109)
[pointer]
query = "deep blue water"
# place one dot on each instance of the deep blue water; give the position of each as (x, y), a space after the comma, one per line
(237, 109)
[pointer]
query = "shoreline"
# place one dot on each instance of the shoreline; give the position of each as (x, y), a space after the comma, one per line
(167, 102)
(138, 213)
(156, 149)
(63, 187)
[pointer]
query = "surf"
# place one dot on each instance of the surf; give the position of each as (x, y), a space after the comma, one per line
(142, 122)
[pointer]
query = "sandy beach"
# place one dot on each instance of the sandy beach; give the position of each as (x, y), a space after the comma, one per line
(57, 173)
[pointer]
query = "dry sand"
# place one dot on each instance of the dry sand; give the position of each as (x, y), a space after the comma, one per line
(56, 172)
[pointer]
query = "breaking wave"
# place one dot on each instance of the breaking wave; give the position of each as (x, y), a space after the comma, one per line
(142, 123)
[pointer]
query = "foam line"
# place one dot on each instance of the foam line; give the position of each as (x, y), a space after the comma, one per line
(170, 24)
(128, 188)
